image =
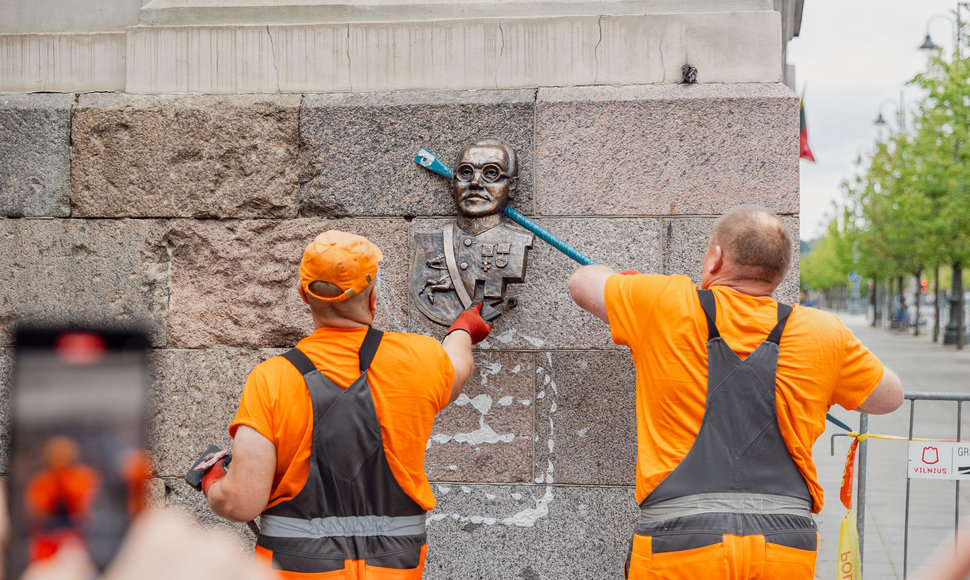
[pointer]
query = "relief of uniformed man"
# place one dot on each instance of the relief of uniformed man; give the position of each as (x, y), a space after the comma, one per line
(479, 250)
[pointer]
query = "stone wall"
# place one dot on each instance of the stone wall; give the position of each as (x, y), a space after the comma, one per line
(189, 214)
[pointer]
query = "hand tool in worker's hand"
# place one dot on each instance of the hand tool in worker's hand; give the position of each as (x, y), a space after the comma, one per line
(426, 159)
(212, 455)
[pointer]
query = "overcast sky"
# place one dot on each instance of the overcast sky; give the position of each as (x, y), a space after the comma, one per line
(850, 57)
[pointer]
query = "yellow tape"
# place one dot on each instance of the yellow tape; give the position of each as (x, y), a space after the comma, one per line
(864, 436)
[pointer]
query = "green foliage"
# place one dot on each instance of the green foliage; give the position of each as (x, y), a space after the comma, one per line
(908, 209)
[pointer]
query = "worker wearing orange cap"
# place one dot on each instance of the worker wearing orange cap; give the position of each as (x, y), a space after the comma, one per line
(329, 438)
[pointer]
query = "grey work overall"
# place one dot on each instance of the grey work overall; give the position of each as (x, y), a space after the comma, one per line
(351, 507)
(738, 477)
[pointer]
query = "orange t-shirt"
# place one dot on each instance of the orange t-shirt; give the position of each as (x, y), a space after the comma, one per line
(820, 363)
(410, 379)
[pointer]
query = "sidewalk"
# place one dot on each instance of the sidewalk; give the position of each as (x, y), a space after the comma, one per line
(923, 366)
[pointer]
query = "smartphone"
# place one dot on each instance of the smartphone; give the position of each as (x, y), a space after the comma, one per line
(78, 469)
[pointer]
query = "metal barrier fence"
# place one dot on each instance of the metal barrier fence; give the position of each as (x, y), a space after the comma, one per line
(959, 399)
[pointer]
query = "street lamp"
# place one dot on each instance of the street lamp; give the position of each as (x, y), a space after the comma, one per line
(956, 25)
(900, 113)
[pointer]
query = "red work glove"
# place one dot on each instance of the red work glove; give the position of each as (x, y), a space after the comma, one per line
(629, 273)
(214, 474)
(471, 321)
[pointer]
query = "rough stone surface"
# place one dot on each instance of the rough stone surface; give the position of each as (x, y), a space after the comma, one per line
(6, 380)
(111, 272)
(35, 155)
(486, 434)
(188, 156)
(180, 495)
(585, 418)
(234, 283)
(685, 242)
(529, 531)
(195, 395)
(361, 148)
(546, 317)
(666, 150)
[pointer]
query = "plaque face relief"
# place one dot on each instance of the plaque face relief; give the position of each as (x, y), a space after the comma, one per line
(473, 258)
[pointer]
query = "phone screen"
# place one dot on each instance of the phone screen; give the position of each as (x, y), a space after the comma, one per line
(78, 469)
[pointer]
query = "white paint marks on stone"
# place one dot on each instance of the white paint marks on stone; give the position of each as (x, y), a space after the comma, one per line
(453, 468)
(444, 489)
(582, 432)
(527, 518)
(541, 395)
(582, 364)
(506, 401)
(534, 341)
(525, 402)
(491, 368)
(517, 369)
(516, 496)
(506, 337)
(490, 496)
(466, 489)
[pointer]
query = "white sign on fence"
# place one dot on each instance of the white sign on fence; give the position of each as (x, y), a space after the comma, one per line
(939, 460)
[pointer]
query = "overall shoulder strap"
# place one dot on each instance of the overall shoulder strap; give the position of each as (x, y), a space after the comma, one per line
(369, 347)
(784, 310)
(710, 312)
(299, 360)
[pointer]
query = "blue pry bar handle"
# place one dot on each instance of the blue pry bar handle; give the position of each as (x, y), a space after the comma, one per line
(547, 237)
(429, 161)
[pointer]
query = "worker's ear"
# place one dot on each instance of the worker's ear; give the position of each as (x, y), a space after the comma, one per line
(372, 301)
(302, 292)
(716, 261)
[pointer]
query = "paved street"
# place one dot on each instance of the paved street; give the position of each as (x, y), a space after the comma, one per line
(923, 366)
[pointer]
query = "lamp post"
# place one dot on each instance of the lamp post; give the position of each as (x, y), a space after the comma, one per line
(900, 113)
(954, 329)
(957, 26)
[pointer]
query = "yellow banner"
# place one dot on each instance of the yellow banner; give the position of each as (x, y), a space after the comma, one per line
(849, 565)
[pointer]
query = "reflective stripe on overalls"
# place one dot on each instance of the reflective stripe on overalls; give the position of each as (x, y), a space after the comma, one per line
(351, 512)
(738, 479)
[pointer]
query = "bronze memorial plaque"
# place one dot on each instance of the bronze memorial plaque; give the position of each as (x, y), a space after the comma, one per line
(474, 257)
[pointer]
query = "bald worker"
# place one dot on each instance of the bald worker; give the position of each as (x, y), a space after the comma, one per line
(732, 389)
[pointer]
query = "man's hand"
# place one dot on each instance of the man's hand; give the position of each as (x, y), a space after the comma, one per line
(471, 321)
(630, 272)
(214, 474)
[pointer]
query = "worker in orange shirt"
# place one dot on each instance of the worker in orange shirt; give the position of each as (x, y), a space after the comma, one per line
(329, 439)
(732, 389)
(59, 498)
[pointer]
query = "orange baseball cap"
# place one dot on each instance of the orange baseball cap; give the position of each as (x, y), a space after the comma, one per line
(341, 258)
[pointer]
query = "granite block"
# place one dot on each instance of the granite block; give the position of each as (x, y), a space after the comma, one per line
(179, 495)
(195, 395)
(666, 149)
(234, 283)
(585, 418)
(112, 273)
(360, 148)
(545, 316)
(531, 532)
(188, 156)
(35, 155)
(685, 243)
(486, 434)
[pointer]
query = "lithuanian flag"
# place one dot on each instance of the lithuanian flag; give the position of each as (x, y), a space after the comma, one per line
(805, 152)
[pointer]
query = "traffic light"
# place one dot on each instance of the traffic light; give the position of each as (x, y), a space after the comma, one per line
(922, 286)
